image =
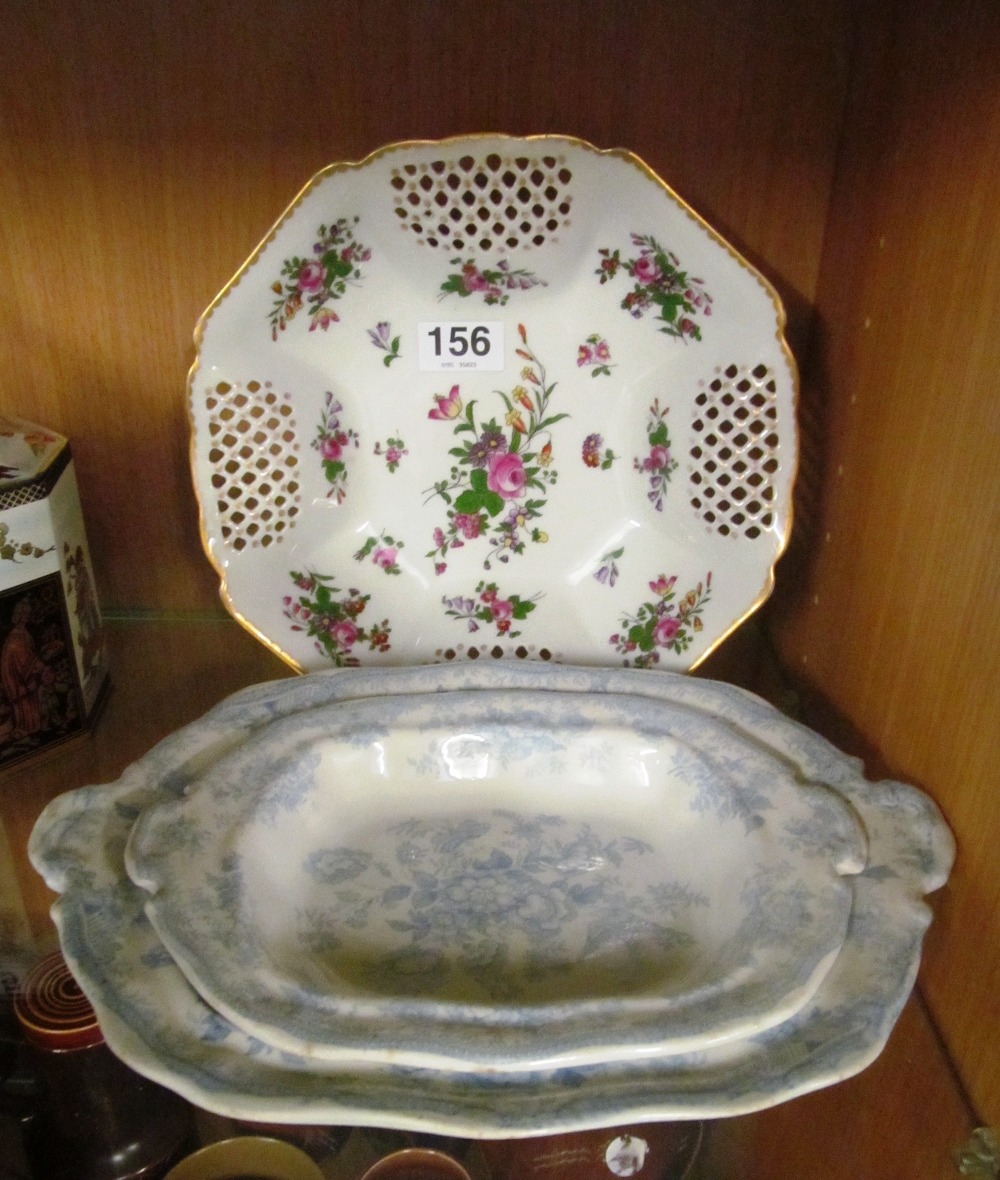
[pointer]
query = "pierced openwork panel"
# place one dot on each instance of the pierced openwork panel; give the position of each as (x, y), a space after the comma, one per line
(253, 455)
(494, 203)
(734, 452)
(496, 651)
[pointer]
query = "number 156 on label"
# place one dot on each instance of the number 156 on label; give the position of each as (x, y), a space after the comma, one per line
(457, 346)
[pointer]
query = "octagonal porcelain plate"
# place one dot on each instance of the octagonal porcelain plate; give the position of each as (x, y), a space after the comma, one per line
(505, 880)
(155, 1021)
(459, 402)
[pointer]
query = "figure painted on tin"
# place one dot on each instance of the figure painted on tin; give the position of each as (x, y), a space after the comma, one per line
(38, 697)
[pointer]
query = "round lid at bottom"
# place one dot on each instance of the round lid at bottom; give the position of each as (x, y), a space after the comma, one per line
(52, 1010)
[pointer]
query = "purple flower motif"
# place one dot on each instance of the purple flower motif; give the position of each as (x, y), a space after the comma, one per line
(607, 571)
(381, 336)
(592, 452)
(490, 442)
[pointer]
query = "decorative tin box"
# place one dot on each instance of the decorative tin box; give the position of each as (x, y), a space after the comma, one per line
(53, 660)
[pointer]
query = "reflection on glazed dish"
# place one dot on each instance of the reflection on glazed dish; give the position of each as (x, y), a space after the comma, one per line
(554, 405)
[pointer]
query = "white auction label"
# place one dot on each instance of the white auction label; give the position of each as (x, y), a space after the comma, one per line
(460, 345)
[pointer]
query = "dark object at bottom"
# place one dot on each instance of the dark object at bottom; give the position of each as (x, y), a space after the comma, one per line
(97, 1119)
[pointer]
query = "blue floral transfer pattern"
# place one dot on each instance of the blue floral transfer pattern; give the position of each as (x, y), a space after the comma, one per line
(494, 901)
(154, 1020)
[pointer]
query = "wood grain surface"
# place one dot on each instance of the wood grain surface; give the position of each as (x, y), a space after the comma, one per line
(889, 602)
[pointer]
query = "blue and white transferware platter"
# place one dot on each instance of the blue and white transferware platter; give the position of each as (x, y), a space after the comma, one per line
(505, 880)
(459, 402)
(159, 1024)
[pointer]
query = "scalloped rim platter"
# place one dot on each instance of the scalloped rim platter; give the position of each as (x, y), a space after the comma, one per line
(568, 436)
(458, 888)
(157, 1023)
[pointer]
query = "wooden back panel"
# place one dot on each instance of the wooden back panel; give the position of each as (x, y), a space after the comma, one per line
(889, 601)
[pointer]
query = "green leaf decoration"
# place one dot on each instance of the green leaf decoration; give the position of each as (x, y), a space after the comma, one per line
(469, 502)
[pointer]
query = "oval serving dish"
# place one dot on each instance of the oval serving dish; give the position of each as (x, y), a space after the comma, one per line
(503, 880)
(159, 1024)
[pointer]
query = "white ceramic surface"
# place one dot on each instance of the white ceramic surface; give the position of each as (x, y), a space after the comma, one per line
(504, 880)
(602, 476)
(154, 1019)
(26, 450)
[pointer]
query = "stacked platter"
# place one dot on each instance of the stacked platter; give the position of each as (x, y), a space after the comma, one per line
(493, 901)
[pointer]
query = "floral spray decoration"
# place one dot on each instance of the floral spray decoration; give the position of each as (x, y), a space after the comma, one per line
(316, 282)
(664, 623)
(332, 619)
(502, 466)
(658, 282)
(333, 442)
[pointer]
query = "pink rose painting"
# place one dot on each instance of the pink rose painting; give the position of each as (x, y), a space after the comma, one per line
(645, 269)
(311, 278)
(383, 551)
(331, 446)
(344, 634)
(506, 475)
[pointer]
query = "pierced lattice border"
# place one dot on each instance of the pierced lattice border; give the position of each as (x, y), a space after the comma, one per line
(733, 459)
(254, 459)
(498, 202)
